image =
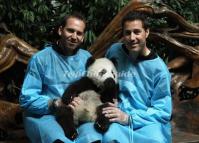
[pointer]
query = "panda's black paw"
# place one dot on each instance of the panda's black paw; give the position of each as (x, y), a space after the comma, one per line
(101, 128)
(67, 99)
(72, 134)
(102, 123)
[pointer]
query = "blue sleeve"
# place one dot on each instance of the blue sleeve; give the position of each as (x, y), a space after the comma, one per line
(88, 54)
(161, 104)
(85, 55)
(109, 53)
(31, 98)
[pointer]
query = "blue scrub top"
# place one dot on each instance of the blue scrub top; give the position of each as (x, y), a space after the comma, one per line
(48, 75)
(144, 91)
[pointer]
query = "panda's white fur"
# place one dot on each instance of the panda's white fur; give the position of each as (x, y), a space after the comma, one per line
(100, 64)
(86, 110)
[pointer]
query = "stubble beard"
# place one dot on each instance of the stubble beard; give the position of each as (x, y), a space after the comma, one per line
(66, 48)
(133, 54)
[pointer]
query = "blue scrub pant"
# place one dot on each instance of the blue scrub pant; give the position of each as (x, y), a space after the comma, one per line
(45, 129)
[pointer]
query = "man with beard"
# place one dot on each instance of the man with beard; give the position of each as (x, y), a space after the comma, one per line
(49, 73)
(145, 100)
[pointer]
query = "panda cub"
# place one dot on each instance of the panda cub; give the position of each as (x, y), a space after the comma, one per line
(96, 88)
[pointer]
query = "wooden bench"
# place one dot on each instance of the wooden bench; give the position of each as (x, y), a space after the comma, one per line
(184, 137)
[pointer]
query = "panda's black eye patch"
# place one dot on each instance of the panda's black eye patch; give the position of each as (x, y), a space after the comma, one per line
(102, 72)
(113, 73)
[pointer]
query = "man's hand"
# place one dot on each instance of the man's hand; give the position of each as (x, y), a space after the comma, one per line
(114, 114)
(57, 103)
(76, 102)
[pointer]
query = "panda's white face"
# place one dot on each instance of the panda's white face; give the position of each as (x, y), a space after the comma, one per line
(101, 70)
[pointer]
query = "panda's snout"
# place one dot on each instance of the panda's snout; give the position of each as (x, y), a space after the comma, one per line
(109, 82)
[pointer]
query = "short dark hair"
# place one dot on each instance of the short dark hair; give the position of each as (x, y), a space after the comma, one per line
(136, 15)
(73, 15)
(53, 36)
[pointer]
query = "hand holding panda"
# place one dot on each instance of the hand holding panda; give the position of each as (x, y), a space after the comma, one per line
(114, 114)
(96, 89)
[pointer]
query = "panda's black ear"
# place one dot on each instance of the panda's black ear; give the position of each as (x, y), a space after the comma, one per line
(90, 61)
(114, 61)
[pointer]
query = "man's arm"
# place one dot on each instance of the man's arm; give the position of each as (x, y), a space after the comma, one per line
(161, 104)
(31, 98)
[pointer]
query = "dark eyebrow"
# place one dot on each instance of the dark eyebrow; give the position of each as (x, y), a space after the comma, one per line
(73, 30)
(70, 29)
(127, 32)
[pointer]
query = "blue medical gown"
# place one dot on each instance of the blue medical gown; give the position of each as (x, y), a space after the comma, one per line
(48, 75)
(145, 96)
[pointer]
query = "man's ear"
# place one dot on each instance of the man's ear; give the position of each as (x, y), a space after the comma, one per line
(82, 40)
(147, 32)
(59, 30)
(90, 61)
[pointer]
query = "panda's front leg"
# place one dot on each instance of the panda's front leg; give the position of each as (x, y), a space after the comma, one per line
(65, 119)
(68, 97)
(102, 123)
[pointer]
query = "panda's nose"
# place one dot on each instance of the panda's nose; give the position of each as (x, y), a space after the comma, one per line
(109, 82)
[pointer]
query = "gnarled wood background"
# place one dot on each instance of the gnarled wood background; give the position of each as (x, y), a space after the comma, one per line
(184, 67)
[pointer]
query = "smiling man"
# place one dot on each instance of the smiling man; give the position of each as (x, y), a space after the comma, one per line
(48, 75)
(134, 37)
(145, 104)
(71, 35)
